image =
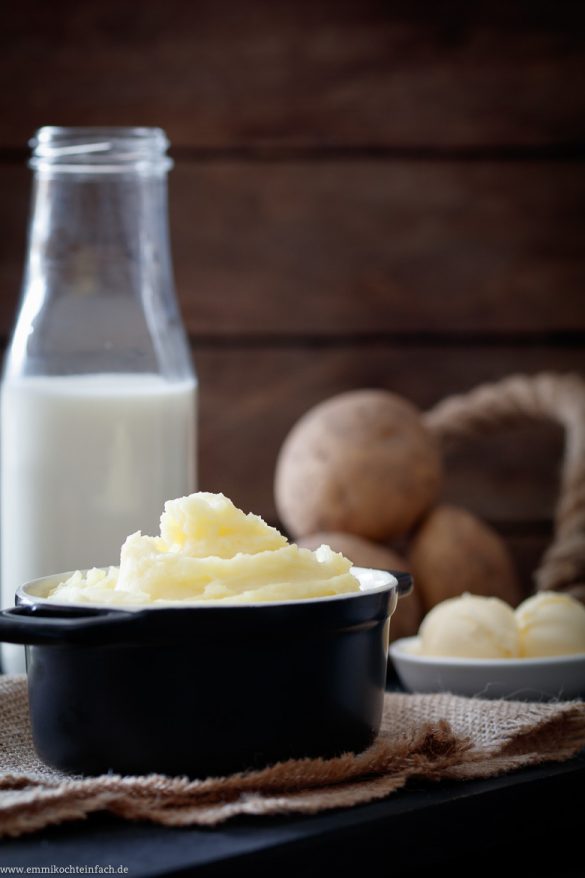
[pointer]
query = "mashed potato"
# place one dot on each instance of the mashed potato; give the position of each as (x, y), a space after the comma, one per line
(209, 550)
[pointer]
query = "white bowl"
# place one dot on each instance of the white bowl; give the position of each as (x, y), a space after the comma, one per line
(527, 679)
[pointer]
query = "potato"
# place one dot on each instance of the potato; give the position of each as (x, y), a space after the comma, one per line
(363, 553)
(362, 463)
(453, 551)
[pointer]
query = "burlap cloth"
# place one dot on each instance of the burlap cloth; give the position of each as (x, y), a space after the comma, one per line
(425, 736)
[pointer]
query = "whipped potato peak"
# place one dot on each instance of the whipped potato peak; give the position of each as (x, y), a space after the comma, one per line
(209, 524)
(551, 624)
(470, 626)
(210, 551)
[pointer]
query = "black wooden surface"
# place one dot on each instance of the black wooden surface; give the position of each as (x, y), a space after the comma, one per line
(525, 823)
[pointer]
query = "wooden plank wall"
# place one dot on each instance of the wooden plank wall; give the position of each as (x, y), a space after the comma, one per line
(365, 194)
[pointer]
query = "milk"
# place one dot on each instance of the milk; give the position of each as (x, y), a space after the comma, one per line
(85, 461)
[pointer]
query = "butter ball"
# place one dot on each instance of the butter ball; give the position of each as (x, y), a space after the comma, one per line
(551, 624)
(470, 626)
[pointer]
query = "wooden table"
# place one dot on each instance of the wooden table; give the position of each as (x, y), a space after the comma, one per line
(525, 823)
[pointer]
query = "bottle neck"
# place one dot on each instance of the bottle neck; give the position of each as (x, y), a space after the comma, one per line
(99, 217)
(98, 291)
(99, 235)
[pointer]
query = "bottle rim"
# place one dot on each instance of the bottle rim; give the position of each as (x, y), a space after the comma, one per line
(100, 149)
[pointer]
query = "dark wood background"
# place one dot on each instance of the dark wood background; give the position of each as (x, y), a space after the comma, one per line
(366, 194)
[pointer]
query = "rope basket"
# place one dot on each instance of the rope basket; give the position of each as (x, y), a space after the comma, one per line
(548, 397)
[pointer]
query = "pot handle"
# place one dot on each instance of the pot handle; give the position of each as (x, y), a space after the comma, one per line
(405, 583)
(38, 624)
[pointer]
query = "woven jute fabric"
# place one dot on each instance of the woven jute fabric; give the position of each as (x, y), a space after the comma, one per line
(430, 737)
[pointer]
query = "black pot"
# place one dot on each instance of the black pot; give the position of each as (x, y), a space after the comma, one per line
(202, 690)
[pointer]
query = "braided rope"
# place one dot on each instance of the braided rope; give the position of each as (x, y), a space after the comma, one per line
(546, 396)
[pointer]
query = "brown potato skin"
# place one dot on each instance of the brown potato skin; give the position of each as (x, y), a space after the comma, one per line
(362, 463)
(453, 552)
(363, 553)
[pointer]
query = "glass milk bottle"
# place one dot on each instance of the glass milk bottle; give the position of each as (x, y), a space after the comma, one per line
(98, 414)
